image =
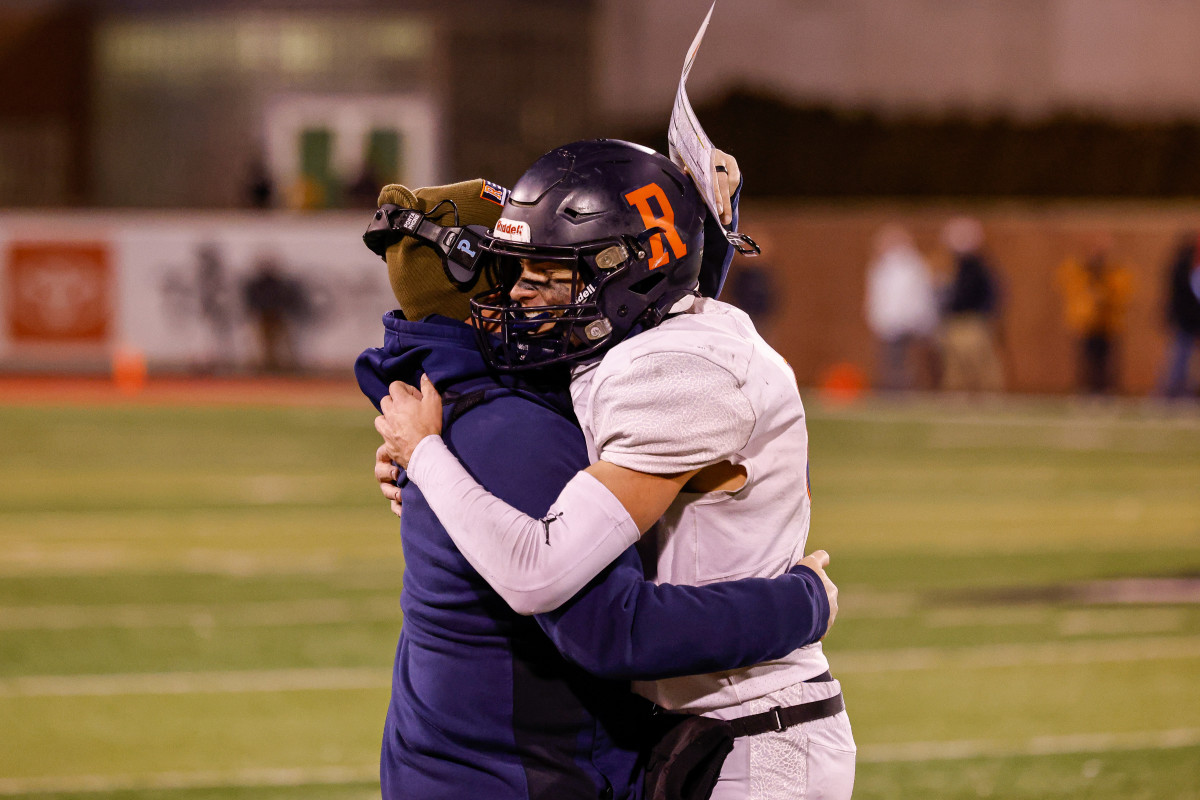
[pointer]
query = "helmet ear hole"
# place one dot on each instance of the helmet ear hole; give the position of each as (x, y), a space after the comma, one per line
(647, 285)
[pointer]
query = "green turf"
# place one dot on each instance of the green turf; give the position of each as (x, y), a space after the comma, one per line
(347, 791)
(1169, 774)
(149, 556)
(193, 732)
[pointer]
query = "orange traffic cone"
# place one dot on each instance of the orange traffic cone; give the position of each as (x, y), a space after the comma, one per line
(128, 370)
(842, 384)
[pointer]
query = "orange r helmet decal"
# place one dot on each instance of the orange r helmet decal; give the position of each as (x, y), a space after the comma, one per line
(665, 220)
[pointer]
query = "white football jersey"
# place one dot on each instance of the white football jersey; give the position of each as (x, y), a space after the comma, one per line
(701, 388)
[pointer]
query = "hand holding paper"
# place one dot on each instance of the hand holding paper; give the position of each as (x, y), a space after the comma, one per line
(715, 172)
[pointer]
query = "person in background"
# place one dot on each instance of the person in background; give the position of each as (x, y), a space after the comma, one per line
(273, 302)
(1096, 293)
(901, 306)
(259, 189)
(970, 305)
(1183, 318)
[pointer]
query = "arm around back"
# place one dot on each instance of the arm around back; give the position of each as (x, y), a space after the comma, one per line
(623, 626)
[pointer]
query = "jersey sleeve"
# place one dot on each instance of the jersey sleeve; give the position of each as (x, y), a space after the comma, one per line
(669, 413)
(534, 564)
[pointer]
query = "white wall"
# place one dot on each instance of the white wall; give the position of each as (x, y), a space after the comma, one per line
(140, 272)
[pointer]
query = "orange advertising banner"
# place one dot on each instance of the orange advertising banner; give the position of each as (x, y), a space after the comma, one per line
(59, 292)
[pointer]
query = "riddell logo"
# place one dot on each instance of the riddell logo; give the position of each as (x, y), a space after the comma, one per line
(511, 230)
(586, 293)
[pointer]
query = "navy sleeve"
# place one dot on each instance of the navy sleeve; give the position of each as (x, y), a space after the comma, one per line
(622, 625)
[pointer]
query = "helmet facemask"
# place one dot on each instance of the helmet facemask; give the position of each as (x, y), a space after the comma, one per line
(535, 333)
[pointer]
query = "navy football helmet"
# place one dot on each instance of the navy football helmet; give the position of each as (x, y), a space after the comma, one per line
(624, 220)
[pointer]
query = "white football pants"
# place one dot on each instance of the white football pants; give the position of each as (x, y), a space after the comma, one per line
(813, 761)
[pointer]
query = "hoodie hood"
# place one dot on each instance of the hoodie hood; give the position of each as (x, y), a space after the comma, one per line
(448, 351)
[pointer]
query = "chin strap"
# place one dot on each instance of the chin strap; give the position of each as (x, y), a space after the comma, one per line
(744, 245)
(392, 223)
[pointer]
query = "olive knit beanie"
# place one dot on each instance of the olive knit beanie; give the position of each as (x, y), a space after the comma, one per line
(415, 269)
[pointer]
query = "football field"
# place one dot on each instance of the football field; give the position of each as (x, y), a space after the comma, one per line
(199, 602)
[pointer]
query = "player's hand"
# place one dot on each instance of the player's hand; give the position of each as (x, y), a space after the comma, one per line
(408, 417)
(817, 561)
(726, 178)
(386, 474)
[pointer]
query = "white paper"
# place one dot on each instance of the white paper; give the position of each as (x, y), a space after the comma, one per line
(689, 145)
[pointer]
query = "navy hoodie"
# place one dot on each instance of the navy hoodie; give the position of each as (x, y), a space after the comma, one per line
(490, 704)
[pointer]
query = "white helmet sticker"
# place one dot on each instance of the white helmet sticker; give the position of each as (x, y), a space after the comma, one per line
(511, 230)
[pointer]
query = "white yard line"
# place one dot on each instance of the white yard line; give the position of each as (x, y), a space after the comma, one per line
(1037, 746)
(231, 615)
(276, 680)
(847, 662)
(1097, 651)
(287, 776)
(1015, 417)
(867, 754)
(867, 604)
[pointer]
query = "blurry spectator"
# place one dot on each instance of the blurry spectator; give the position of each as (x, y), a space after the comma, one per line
(307, 194)
(273, 301)
(259, 188)
(751, 286)
(1183, 317)
(970, 305)
(752, 289)
(901, 306)
(1095, 293)
(363, 191)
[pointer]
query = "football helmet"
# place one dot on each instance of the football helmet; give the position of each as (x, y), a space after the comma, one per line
(625, 221)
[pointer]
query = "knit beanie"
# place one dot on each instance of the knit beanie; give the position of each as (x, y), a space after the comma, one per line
(415, 269)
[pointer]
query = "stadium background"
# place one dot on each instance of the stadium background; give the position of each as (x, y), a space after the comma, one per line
(197, 581)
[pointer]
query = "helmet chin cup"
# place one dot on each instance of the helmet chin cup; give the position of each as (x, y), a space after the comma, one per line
(744, 245)
(532, 322)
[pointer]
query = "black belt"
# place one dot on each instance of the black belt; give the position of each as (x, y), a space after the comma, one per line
(780, 718)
